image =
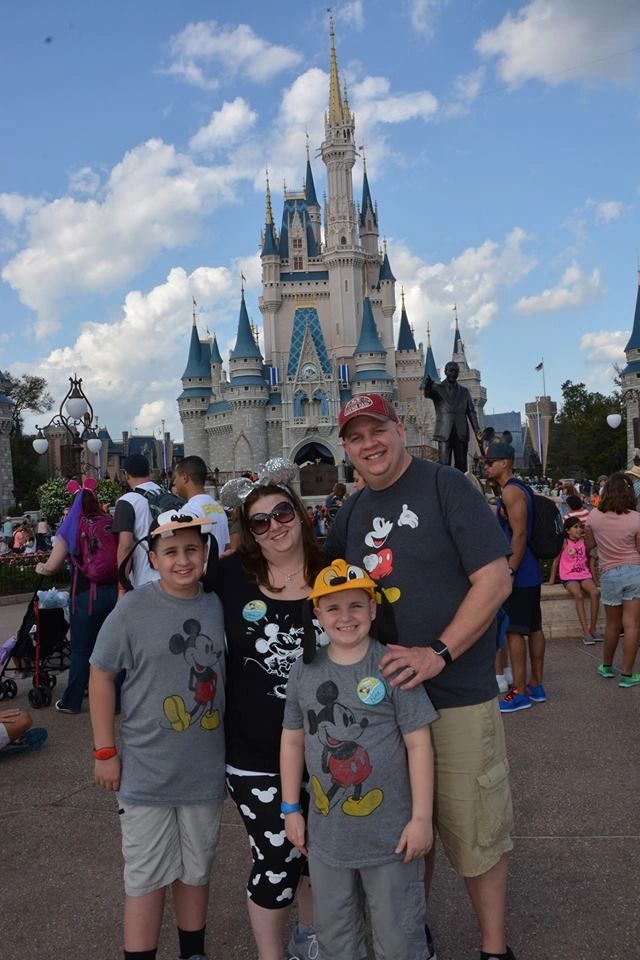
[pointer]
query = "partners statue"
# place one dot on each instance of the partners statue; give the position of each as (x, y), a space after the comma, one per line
(454, 407)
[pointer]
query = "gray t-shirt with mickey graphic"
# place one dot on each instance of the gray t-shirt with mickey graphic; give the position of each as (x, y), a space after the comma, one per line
(171, 731)
(353, 722)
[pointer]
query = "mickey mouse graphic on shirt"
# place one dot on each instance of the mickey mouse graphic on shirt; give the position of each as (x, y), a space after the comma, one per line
(345, 759)
(201, 655)
(380, 564)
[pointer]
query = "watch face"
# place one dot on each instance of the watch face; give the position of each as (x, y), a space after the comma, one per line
(309, 371)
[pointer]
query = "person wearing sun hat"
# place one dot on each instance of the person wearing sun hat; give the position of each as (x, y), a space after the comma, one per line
(168, 771)
(430, 542)
(367, 749)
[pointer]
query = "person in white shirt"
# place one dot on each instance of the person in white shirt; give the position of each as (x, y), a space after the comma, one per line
(189, 479)
(132, 519)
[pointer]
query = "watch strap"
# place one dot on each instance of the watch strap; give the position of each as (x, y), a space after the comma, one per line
(443, 651)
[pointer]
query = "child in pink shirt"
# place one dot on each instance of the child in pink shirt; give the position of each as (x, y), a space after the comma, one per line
(577, 574)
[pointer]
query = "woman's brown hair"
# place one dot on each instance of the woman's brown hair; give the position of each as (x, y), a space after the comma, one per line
(618, 496)
(253, 559)
(90, 504)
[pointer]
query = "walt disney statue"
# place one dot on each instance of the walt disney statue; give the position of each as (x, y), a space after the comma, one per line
(454, 407)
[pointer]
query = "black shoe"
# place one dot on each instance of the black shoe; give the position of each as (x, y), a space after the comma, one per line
(60, 707)
(508, 954)
(431, 950)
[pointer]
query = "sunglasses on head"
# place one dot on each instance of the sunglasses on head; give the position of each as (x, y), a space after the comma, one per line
(283, 512)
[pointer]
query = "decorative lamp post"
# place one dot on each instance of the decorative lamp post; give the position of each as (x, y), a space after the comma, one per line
(76, 417)
(614, 420)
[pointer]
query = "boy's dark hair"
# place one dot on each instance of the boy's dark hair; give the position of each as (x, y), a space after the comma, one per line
(507, 436)
(137, 466)
(574, 503)
(194, 468)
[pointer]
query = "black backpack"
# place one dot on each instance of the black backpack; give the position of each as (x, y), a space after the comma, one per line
(160, 501)
(547, 529)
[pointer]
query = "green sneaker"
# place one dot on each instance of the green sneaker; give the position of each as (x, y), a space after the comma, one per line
(606, 671)
(632, 680)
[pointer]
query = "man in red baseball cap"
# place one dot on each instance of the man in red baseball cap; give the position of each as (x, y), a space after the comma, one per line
(428, 539)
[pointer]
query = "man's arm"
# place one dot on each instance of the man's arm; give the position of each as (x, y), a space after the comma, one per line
(490, 587)
(417, 837)
(472, 416)
(515, 501)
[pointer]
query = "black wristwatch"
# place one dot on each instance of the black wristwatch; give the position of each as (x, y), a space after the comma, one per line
(443, 651)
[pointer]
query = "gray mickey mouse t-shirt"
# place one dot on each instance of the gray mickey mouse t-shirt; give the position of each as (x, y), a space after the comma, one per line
(171, 731)
(358, 772)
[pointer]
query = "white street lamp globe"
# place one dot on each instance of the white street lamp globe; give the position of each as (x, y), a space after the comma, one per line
(40, 445)
(77, 407)
(614, 420)
(94, 444)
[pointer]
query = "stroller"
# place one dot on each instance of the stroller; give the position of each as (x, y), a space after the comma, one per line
(42, 646)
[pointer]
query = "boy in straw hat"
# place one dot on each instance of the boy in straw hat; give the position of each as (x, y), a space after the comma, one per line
(367, 748)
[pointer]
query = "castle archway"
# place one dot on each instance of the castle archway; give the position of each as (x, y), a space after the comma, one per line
(318, 470)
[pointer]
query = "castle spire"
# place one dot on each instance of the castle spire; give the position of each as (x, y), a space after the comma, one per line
(246, 346)
(269, 216)
(406, 340)
(430, 368)
(336, 108)
(634, 339)
(269, 246)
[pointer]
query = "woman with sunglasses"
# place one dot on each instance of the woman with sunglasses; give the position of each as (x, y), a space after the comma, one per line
(264, 587)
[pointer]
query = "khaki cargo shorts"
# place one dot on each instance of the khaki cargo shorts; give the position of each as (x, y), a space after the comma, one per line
(472, 799)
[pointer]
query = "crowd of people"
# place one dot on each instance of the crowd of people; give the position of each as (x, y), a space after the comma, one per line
(335, 670)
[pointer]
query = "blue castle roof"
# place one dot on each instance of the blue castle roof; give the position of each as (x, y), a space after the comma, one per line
(215, 352)
(634, 339)
(458, 346)
(309, 188)
(369, 341)
(293, 205)
(386, 273)
(246, 346)
(270, 246)
(367, 202)
(406, 340)
(199, 357)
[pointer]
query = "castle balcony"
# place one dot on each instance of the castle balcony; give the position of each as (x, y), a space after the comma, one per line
(311, 422)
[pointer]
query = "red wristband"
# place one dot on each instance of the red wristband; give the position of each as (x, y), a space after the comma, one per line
(105, 753)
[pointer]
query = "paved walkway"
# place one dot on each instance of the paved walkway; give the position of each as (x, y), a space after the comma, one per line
(574, 873)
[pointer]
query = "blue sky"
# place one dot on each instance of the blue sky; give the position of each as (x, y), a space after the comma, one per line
(501, 143)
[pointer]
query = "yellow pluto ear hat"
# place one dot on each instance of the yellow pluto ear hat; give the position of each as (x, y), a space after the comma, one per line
(339, 576)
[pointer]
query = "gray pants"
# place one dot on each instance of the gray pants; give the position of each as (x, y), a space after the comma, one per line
(395, 894)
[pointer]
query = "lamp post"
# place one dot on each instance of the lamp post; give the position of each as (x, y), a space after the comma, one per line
(76, 417)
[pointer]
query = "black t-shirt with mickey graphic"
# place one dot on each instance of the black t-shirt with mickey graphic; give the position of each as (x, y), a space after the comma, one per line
(420, 540)
(264, 640)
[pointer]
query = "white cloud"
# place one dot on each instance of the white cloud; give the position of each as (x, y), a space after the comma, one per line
(130, 385)
(84, 181)
(474, 280)
(608, 210)
(560, 41)
(227, 125)
(604, 351)
(15, 208)
(153, 200)
(423, 14)
(465, 90)
(202, 49)
(575, 289)
(352, 12)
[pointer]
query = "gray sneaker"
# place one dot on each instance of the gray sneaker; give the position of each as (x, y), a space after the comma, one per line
(303, 946)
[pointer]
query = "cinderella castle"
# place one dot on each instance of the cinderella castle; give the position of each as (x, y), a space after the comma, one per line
(328, 302)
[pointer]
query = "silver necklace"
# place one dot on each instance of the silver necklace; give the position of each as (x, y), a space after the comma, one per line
(290, 577)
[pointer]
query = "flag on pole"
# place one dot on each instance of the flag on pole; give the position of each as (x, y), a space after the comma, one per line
(540, 366)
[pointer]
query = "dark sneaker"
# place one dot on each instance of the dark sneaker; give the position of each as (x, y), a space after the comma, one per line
(31, 740)
(431, 950)
(60, 707)
(303, 945)
(508, 954)
(515, 701)
(536, 693)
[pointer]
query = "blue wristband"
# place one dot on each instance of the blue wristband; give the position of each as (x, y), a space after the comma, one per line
(290, 808)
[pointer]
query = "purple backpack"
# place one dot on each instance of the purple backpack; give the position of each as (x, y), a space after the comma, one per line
(96, 555)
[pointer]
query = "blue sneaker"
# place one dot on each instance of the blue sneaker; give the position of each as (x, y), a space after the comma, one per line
(515, 701)
(536, 693)
(303, 943)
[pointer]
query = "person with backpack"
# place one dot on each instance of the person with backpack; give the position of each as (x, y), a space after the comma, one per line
(515, 511)
(133, 517)
(86, 539)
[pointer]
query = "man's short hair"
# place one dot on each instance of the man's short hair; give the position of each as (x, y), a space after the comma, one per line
(194, 468)
(137, 466)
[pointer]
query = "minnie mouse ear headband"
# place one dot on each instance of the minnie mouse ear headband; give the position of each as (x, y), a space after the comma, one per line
(166, 524)
(89, 483)
(276, 472)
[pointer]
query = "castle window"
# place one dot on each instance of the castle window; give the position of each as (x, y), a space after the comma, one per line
(297, 263)
(343, 241)
(297, 243)
(346, 285)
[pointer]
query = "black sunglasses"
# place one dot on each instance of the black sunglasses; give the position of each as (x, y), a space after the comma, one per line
(283, 512)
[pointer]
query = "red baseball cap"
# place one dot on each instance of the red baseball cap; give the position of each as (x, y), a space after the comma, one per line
(367, 405)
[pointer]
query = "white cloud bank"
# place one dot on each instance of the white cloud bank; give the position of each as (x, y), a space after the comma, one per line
(575, 289)
(204, 49)
(560, 41)
(227, 125)
(423, 15)
(603, 352)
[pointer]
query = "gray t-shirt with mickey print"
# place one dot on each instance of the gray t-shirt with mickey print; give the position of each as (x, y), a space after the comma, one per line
(353, 722)
(171, 731)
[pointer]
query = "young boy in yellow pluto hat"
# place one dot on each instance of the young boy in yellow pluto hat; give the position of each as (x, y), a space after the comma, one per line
(367, 748)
